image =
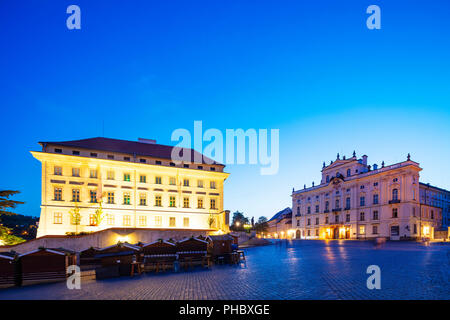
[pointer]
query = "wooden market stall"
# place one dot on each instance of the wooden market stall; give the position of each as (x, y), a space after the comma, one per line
(9, 274)
(119, 259)
(193, 251)
(159, 255)
(45, 265)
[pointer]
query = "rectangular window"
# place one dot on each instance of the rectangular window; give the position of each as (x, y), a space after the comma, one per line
(158, 221)
(158, 202)
(172, 181)
(93, 196)
(126, 177)
(200, 183)
(326, 219)
(186, 182)
(158, 180)
(317, 208)
(375, 229)
(57, 218)
(186, 202)
(172, 222)
(143, 178)
(212, 184)
(58, 194)
(110, 157)
(127, 220)
(186, 222)
(92, 220)
(58, 150)
(142, 199)
(298, 223)
(375, 199)
(126, 158)
(110, 175)
(200, 203)
(213, 203)
(93, 155)
(75, 195)
(110, 219)
(317, 220)
(309, 209)
(347, 203)
(172, 201)
(362, 201)
(375, 215)
(157, 162)
(336, 218)
(110, 197)
(415, 228)
(394, 213)
(75, 152)
(93, 173)
(57, 171)
(309, 222)
(362, 230)
(142, 160)
(126, 198)
(361, 216)
(347, 218)
(317, 232)
(75, 172)
(142, 221)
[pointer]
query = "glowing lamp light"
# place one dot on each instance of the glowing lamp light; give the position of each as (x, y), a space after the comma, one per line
(237, 224)
(426, 230)
(2, 242)
(122, 239)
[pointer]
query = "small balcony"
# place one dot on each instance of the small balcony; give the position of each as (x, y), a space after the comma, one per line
(394, 201)
(337, 209)
(347, 208)
(326, 211)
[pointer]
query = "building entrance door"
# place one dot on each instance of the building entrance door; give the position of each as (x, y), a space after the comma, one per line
(336, 233)
(347, 233)
(297, 234)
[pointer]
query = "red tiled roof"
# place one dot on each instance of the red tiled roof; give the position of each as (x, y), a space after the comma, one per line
(129, 147)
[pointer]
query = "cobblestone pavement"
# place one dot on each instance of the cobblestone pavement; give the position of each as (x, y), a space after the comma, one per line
(284, 270)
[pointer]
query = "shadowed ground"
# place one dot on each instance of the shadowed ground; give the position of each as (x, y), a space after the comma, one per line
(285, 270)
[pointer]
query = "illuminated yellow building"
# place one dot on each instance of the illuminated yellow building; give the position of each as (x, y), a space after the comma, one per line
(100, 183)
(357, 201)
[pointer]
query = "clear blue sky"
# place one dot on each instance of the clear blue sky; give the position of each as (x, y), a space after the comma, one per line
(309, 68)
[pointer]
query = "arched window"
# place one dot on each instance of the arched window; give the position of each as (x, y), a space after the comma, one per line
(394, 194)
(348, 172)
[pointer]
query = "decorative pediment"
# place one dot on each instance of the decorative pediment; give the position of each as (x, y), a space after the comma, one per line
(339, 163)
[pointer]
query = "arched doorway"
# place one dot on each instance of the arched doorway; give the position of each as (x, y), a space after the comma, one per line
(297, 234)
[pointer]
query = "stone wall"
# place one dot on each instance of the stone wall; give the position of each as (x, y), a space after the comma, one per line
(103, 239)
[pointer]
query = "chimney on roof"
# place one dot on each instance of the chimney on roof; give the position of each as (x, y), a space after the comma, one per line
(149, 141)
(364, 160)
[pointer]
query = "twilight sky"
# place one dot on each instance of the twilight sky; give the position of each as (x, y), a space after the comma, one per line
(311, 69)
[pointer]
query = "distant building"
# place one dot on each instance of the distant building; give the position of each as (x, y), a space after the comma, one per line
(137, 184)
(279, 226)
(436, 197)
(357, 201)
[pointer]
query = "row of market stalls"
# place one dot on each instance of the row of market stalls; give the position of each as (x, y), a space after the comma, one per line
(51, 264)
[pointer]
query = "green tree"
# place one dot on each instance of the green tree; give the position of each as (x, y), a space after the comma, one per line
(75, 216)
(238, 222)
(99, 215)
(6, 238)
(261, 225)
(6, 203)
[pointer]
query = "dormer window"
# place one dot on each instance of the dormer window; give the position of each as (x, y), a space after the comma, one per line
(328, 179)
(348, 172)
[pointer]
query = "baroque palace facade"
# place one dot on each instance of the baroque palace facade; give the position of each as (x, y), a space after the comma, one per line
(357, 201)
(99, 183)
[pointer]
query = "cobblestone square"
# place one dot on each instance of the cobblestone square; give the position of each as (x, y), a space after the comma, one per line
(285, 270)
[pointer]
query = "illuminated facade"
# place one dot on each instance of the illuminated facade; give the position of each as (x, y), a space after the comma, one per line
(357, 201)
(99, 183)
(279, 226)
